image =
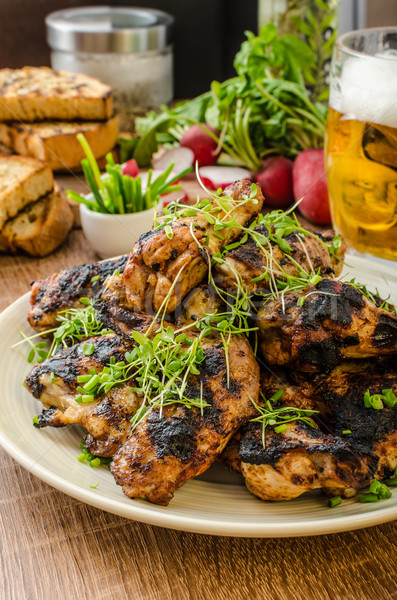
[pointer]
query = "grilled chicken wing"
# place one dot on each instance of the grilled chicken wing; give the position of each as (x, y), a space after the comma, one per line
(342, 393)
(348, 446)
(54, 383)
(157, 262)
(249, 261)
(300, 459)
(63, 290)
(168, 448)
(336, 321)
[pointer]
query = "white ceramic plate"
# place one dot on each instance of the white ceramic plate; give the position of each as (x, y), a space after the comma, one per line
(215, 504)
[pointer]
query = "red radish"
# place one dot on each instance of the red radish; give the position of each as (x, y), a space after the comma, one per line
(310, 183)
(178, 195)
(275, 180)
(183, 158)
(220, 177)
(131, 168)
(204, 147)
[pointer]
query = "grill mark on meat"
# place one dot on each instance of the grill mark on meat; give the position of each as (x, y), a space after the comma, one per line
(386, 332)
(66, 364)
(214, 362)
(47, 418)
(251, 449)
(75, 283)
(172, 437)
(367, 425)
(122, 321)
(323, 354)
(337, 303)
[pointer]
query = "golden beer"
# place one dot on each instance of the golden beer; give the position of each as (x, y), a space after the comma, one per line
(361, 162)
(361, 141)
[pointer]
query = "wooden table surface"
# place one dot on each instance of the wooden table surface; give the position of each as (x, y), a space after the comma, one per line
(53, 546)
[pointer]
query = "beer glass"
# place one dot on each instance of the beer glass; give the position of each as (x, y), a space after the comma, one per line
(361, 141)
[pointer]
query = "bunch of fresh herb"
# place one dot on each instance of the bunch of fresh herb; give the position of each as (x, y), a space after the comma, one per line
(265, 109)
(115, 193)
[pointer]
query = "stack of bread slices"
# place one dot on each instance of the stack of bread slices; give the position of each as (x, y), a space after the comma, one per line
(41, 113)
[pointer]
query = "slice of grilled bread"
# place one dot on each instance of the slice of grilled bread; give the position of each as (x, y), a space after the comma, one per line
(22, 181)
(40, 227)
(55, 142)
(39, 93)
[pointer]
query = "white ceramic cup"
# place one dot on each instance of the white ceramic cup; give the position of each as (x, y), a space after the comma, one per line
(112, 235)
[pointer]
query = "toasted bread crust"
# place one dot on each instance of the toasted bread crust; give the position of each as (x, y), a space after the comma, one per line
(56, 143)
(40, 228)
(39, 93)
(22, 181)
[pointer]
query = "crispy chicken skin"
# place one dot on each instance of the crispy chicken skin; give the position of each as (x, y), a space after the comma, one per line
(167, 449)
(249, 261)
(107, 420)
(326, 456)
(156, 260)
(300, 459)
(63, 290)
(335, 322)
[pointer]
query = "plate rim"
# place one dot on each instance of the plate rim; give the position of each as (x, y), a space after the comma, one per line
(144, 512)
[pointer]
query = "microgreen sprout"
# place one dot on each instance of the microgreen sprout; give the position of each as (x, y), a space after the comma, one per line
(373, 296)
(271, 415)
(75, 325)
(266, 231)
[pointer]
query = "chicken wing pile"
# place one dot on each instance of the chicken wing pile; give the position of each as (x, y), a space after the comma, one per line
(224, 335)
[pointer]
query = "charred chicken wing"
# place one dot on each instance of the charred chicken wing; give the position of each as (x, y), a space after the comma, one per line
(334, 322)
(163, 258)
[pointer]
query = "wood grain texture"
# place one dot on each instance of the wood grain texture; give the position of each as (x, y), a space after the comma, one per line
(52, 546)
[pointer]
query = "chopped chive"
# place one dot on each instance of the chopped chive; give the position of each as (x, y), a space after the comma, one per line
(52, 377)
(375, 486)
(94, 486)
(88, 398)
(389, 398)
(334, 501)
(92, 383)
(346, 431)
(277, 396)
(35, 420)
(83, 378)
(95, 278)
(368, 497)
(376, 401)
(367, 396)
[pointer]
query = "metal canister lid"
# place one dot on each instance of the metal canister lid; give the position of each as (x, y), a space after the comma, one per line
(102, 29)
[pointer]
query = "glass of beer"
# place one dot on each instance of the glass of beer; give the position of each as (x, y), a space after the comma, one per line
(361, 141)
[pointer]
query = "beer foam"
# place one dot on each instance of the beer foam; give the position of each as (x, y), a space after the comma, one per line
(367, 90)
